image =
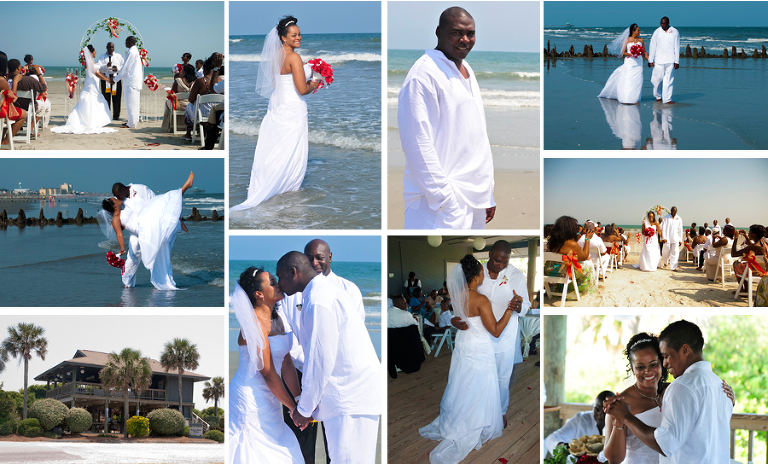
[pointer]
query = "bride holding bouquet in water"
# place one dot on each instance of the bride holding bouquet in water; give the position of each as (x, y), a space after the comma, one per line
(626, 81)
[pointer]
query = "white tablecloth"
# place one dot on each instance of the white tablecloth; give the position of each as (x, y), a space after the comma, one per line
(530, 325)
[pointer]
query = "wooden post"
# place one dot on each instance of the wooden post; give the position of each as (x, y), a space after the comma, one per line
(553, 336)
(74, 385)
(533, 245)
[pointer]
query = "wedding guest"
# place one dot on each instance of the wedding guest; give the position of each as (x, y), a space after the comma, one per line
(412, 283)
(405, 348)
(419, 304)
(563, 240)
(28, 62)
(182, 82)
(588, 422)
(728, 221)
(185, 57)
(216, 116)
(438, 325)
(398, 315)
(443, 292)
(725, 241)
(202, 86)
(35, 81)
(110, 63)
(715, 227)
(754, 242)
(613, 242)
(547, 231)
(601, 258)
(698, 244)
(7, 107)
(199, 68)
(434, 299)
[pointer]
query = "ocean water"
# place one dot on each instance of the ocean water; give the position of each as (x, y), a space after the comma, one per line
(59, 73)
(342, 185)
(720, 102)
(366, 275)
(66, 267)
(506, 79)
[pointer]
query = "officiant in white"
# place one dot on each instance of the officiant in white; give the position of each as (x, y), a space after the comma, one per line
(341, 385)
(448, 161)
(133, 75)
(664, 58)
(672, 233)
(506, 288)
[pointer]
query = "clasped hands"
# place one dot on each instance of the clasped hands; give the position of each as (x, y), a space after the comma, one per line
(618, 408)
(299, 420)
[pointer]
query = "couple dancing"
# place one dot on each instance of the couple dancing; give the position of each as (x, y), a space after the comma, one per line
(320, 326)
(654, 421)
(626, 83)
(280, 160)
(153, 221)
(91, 114)
(662, 241)
(488, 300)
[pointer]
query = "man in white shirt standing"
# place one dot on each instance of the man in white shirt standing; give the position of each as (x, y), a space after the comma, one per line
(696, 416)
(133, 75)
(598, 251)
(111, 63)
(341, 385)
(672, 231)
(664, 58)
(506, 287)
(448, 182)
(715, 228)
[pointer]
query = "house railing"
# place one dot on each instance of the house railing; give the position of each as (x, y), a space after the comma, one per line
(95, 389)
(751, 422)
(196, 419)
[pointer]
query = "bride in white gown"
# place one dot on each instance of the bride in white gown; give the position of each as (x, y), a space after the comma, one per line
(626, 82)
(650, 255)
(91, 113)
(257, 432)
(469, 410)
(280, 160)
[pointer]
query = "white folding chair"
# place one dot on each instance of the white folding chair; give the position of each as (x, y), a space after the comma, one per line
(447, 335)
(5, 125)
(599, 265)
(30, 124)
(612, 262)
(198, 118)
(175, 113)
(723, 260)
(564, 280)
(748, 279)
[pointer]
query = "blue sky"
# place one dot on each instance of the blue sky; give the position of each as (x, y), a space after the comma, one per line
(271, 248)
(257, 18)
(501, 26)
(621, 190)
(167, 28)
(98, 174)
(681, 14)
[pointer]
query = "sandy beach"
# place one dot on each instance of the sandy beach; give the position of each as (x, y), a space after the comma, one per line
(319, 449)
(630, 287)
(148, 136)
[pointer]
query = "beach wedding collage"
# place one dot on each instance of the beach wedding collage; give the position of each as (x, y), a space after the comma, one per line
(461, 168)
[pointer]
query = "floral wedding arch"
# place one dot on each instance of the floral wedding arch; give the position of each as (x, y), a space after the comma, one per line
(113, 26)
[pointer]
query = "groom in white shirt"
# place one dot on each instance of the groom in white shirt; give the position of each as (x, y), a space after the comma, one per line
(448, 182)
(133, 75)
(672, 231)
(341, 385)
(664, 58)
(696, 415)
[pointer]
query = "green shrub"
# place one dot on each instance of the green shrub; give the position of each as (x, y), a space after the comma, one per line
(25, 425)
(7, 427)
(215, 435)
(166, 421)
(33, 432)
(221, 423)
(50, 412)
(186, 431)
(79, 420)
(105, 435)
(138, 427)
(209, 412)
(49, 434)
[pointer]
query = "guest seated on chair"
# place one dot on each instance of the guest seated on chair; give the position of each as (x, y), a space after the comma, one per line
(434, 299)
(202, 86)
(181, 84)
(34, 81)
(17, 116)
(611, 237)
(602, 258)
(563, 240)
(725, 241)
(398, 315)
(438, 326)
(754, 242)
(216, 116)
(583, 423)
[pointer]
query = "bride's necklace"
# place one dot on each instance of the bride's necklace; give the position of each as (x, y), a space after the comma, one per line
(655, 399)
(473, 289)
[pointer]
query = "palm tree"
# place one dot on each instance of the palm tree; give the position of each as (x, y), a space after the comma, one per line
(179, 354)
(127, 370)
(214, 391)
(22, 341)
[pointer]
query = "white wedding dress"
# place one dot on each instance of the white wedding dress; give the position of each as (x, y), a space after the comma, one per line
(257, 432)
(280, 160)
(626, 82)
(650, 255)
(637, 451)
(471, 405)
(92, 112)
(153, 220)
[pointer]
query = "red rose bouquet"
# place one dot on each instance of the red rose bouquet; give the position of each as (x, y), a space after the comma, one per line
(115, 261)
(324, 70)
(636, 50)
(71, 84)
(176, 69)
(586, 458)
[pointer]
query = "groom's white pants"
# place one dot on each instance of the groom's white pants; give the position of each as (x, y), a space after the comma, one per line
(423, 217)
(505, 364)
(132, 261)
(132, 98)
(671, 253)
(663, 80)
(352, 438)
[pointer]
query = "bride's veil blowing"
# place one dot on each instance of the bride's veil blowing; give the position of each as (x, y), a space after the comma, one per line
(617, 46)
(457, 287)
(272, 56)
(250, 328)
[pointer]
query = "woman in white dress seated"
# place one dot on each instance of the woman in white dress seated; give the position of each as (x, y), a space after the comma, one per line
(626, 82)
(280, 160)
(469, 410)
(257, 432)
(650, 256)
(91, 113)
(644, 362)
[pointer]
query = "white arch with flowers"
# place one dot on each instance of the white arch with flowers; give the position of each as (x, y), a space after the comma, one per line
(113, 26)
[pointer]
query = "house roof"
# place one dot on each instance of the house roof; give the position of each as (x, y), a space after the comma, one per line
(94, 359)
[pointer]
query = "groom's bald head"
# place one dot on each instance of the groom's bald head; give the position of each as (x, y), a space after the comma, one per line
(120, 190)
(130, 41)
(294, 272)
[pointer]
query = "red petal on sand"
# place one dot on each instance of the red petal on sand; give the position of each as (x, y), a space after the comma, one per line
(502, 460)
(632, 282)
